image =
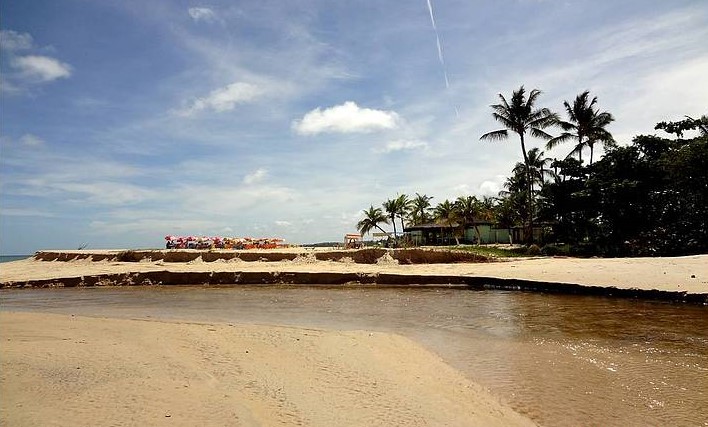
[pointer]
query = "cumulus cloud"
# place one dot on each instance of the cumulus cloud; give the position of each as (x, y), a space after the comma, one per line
(255, 177)
(492, 187)
(29, 68)
(11, 41)
(400, 145)
(202, 14)
(223, 99)
(345, 118)
(43, 68)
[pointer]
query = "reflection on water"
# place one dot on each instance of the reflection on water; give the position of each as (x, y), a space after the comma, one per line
(563, 360)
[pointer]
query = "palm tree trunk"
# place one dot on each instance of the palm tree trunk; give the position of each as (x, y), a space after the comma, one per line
(529, 236)
(393, 220)
(591, 149)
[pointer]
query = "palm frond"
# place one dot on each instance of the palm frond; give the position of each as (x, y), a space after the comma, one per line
(497, 135)
(538, 133)
(554, 142)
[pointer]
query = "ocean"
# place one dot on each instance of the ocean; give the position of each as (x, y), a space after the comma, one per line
(9, 258)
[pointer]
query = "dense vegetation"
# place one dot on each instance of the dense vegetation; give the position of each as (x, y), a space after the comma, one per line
(648, 198)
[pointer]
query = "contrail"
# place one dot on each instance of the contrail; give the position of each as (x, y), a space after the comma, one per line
(437, 38)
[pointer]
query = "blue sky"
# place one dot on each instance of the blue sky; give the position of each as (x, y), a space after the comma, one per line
(126, 121)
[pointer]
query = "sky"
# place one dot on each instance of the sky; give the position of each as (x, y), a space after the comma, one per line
(125, 121)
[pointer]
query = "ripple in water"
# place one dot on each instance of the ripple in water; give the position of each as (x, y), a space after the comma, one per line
(563, 360)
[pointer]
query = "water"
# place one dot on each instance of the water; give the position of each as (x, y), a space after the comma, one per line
(562, 360)
(10, 258)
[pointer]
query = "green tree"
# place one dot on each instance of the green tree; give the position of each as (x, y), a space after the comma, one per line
(397, 208)
(420, 209)
(679, 127)
(585, 124)
(538, 167)
(521, 116)
(446, 214)
(372, 218)
(467, 208)
(403, 207)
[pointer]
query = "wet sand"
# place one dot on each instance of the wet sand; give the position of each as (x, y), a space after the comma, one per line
(72, 370)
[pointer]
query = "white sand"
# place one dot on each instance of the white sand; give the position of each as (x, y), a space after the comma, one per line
(685, 274)
(77, 371)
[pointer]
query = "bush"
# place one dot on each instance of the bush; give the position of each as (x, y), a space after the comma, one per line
(129, 256)
(534, 250)
(555, 250)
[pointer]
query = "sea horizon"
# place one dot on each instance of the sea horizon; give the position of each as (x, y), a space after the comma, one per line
(10, 258)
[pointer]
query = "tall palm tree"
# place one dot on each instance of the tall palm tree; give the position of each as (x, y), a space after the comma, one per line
(446, 213)
(467, 209)
(521, 116)
(420, 209)
(391, 211)
(403, 207)
(586, 125)
(397, 207)
(538, 166)
(372, 218)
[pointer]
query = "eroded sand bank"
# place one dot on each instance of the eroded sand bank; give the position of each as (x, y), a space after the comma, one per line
(678, 275)
(81, 371)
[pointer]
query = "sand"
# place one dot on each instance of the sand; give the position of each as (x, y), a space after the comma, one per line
(73, 371)
(687, 274)
(79, 371)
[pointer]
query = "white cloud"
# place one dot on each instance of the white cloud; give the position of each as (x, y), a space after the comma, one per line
(281, 223)
(345, 118)
(25, 212)
(492, 187)
(202, 14)
(400, 145)
(462, 190)
(31, 140)
(44, 68)
(12, 40)
(255, 177)
(106, 193)
(223, 99)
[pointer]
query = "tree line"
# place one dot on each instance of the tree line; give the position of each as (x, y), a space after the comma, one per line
(646, 198)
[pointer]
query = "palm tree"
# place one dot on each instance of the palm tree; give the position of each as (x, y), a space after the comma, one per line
(521, 116)
(397, 207)
(420, 209)
(446, 213)
(585, 124)
(538, 166)
(467, 209)
(372, 218)
(403, 207)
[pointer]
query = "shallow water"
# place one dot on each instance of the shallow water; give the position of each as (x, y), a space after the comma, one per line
(563, 360)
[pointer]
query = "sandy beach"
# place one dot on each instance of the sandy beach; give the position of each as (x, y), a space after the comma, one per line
(82, 371)
(687, 274)
(58, 369)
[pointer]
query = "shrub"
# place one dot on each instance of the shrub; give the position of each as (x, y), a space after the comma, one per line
(534, 250)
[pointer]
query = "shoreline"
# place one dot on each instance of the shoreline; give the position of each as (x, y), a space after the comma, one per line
(99, 371)
(675, 279)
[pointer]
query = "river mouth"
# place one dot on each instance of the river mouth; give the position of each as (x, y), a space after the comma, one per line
(579, 360)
